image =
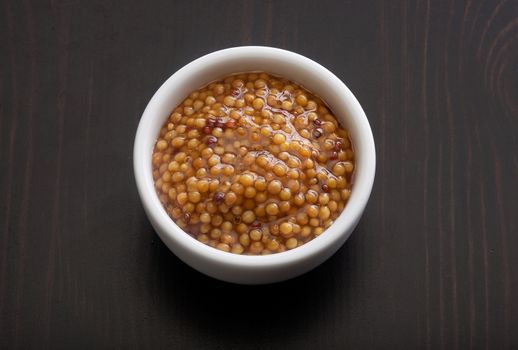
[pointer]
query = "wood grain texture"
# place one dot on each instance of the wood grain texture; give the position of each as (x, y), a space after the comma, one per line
(432, 264)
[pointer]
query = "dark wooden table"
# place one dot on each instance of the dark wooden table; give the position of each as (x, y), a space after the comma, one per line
(432, 265)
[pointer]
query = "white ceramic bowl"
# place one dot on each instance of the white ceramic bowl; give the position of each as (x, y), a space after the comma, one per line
(317, 79)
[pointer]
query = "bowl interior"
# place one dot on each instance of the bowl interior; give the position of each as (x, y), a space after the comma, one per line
(283, 63)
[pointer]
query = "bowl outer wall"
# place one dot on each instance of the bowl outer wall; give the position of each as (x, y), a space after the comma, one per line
(311, 75)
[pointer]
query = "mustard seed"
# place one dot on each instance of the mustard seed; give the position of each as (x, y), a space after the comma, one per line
(253, 164)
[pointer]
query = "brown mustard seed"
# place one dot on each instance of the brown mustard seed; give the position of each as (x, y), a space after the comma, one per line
(218, 197)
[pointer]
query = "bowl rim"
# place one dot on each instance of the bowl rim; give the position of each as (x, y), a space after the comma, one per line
(158, 216)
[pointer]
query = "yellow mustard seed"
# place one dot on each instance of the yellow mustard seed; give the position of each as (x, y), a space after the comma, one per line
(253, 164)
